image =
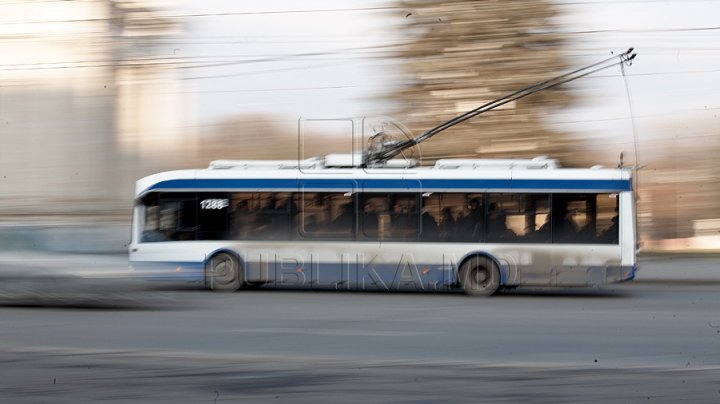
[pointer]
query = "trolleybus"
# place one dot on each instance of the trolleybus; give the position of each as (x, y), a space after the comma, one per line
(371, 221)
(475, 225)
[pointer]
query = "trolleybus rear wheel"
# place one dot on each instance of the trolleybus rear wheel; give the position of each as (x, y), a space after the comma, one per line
(479, 276)
(223, 273)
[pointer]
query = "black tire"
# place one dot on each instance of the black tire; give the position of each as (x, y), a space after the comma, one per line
(223, 273)
(479, 276)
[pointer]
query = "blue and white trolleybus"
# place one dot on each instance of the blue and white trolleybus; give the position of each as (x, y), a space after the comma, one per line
(477, 225)
(371, 221)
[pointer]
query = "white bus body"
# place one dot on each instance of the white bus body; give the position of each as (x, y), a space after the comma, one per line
(470, 224)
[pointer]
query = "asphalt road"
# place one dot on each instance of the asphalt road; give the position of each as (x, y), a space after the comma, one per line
(635, 342)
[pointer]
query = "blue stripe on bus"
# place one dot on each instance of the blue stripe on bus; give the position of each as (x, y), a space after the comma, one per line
(393, 184)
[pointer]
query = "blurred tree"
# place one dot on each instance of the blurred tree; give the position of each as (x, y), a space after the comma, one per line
(466, 53)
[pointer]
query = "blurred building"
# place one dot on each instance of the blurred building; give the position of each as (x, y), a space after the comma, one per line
(86, 94)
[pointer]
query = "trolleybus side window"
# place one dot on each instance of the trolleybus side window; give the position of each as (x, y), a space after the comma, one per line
(151, 220)
(276, 212)
(462, 217)
(242, 216)
(389, 216)
(263, 216)
(169, 217)
(518, 218)
(444, 217)
(606, 222)
(584, 218)
(327, 215)
(537, 218)
(430, 217)
(498, 208)
(374, 216)
(404, 216)
(449, 210)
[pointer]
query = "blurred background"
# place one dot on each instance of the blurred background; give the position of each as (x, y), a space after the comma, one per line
(95, 94)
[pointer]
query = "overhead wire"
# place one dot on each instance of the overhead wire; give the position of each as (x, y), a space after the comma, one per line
(386, 152)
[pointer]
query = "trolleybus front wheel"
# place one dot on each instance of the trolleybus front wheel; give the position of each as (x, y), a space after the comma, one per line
(479, 276)
(223, 273)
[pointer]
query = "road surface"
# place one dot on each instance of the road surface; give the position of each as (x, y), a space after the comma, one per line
(635, 342)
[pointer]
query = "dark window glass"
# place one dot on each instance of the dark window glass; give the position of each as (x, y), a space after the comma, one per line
(375, 216)
(500, 208)
(151, 221)
(404, 216)
(607, 218)
(242, 216)
(389, 216)
(476, 217)
(262, 216)
(568, 217)
(430, 218)
(327, 215)
(585, 218)
(537, 223)
(450, 208)
(518, 218)
(605, 226)
(445, 217)
(169, 217)
(470, 216)
(213, 215)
